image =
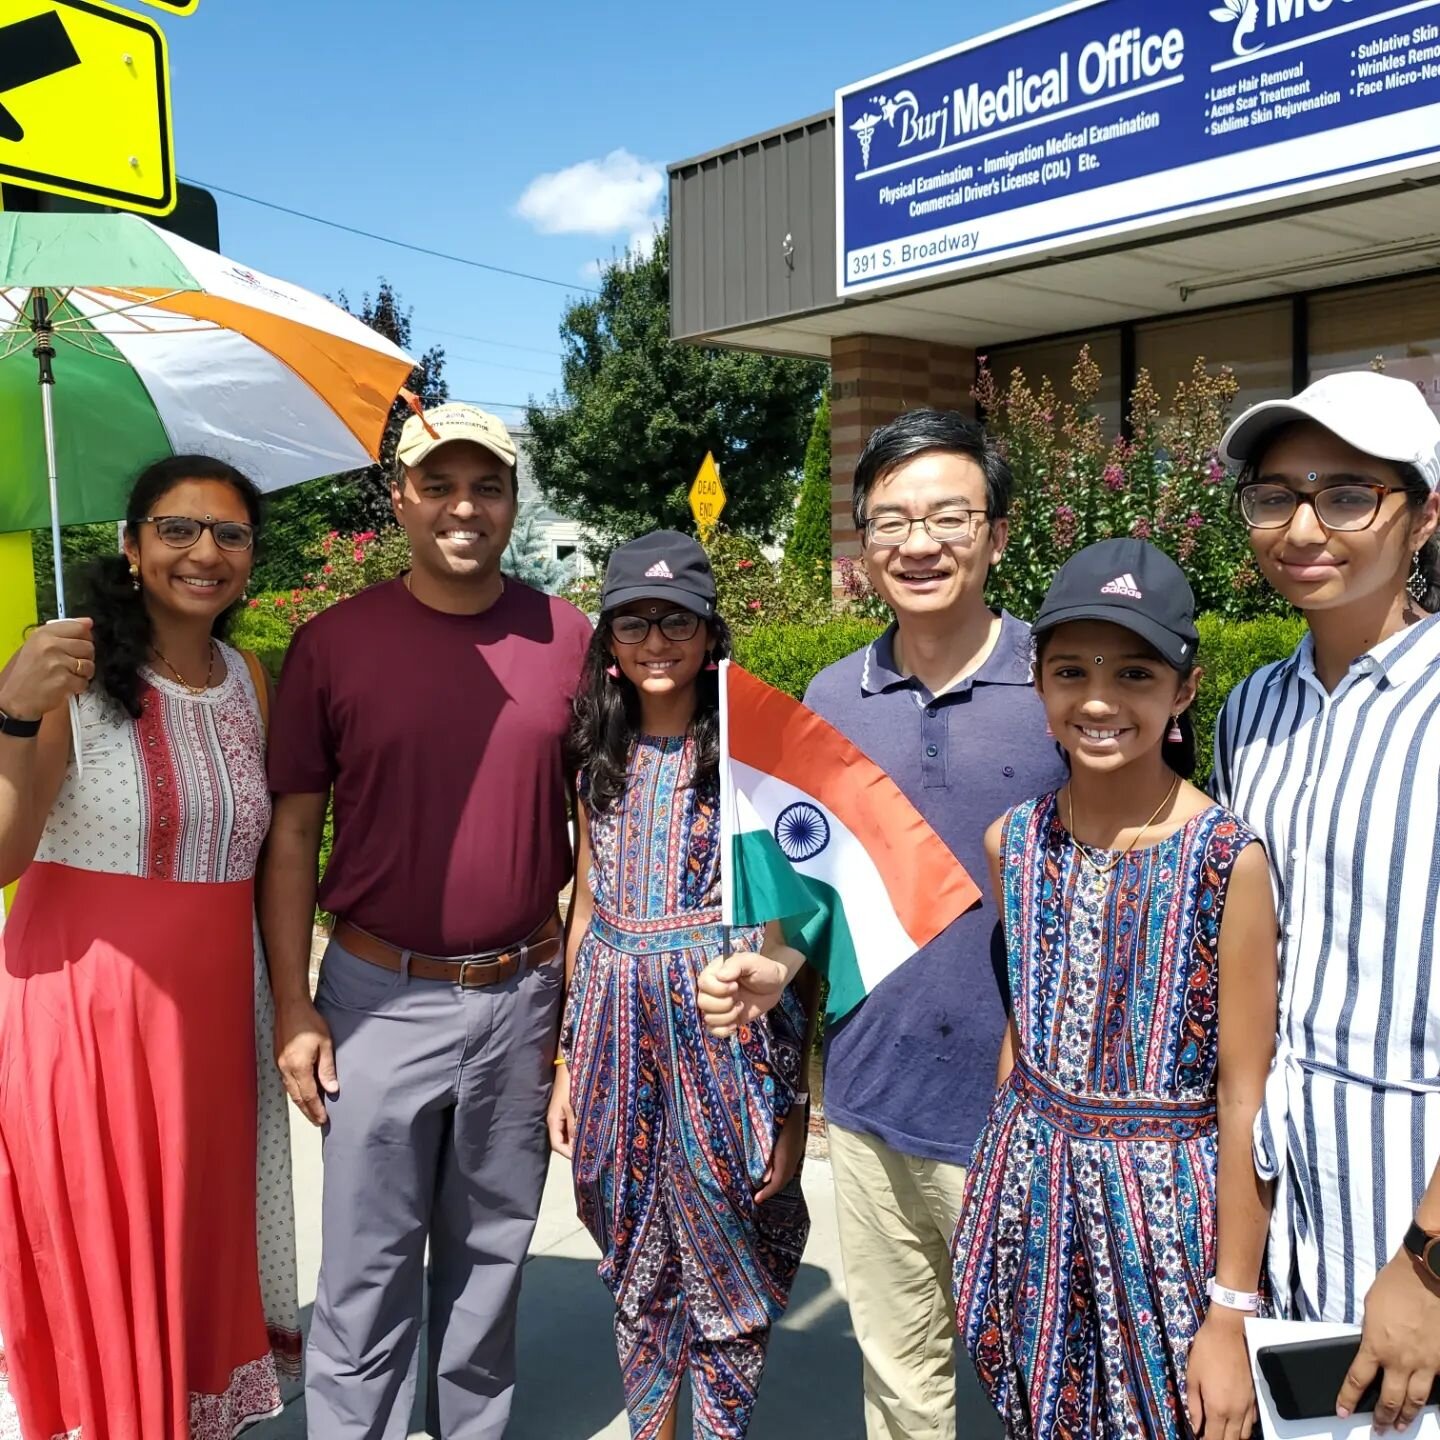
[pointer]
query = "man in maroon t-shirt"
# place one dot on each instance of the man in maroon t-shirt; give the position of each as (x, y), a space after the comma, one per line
(434, 708)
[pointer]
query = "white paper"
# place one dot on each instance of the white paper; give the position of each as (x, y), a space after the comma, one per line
(1262, 1333)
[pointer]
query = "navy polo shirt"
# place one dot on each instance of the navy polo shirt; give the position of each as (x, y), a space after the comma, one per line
(914, 1065)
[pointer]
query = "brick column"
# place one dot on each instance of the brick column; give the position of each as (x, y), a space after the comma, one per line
(874, 378)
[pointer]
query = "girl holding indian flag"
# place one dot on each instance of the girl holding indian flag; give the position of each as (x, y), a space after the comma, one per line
(686, 1150)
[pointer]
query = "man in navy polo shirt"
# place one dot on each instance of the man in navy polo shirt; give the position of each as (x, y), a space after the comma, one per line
(943, 702)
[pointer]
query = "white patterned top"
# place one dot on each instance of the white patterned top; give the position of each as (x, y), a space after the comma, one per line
(179, 794)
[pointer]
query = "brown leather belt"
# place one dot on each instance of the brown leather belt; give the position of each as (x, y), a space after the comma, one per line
(491, 967)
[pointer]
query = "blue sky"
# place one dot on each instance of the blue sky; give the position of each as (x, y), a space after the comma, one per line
(437, 121)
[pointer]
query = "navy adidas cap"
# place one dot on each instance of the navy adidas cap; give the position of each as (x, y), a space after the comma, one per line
(1130, 583)
(663, 565)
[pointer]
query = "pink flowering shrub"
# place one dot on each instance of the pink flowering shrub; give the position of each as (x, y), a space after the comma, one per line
(1164, 483)
(345, 564)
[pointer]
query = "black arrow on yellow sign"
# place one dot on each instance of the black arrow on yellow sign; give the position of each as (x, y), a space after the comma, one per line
(31, 50)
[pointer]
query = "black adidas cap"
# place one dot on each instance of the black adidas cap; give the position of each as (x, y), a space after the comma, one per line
(1129, 583)
(663, 565)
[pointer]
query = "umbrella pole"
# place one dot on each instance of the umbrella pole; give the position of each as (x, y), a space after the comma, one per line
(45, 354)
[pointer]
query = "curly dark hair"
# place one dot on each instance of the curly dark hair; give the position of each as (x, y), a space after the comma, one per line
(606, 720)
(108, 595)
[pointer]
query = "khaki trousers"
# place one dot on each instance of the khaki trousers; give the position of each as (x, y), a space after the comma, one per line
(897, 1215)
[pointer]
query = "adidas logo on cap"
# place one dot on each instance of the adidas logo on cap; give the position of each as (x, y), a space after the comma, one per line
(1123, 585)
(659, 571)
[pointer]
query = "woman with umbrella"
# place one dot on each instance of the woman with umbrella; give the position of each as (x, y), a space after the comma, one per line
(132, 1304)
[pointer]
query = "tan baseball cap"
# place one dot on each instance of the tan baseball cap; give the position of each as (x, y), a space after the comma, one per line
(422, 434)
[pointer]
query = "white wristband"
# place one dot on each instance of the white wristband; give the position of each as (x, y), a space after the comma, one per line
(1233, 1299)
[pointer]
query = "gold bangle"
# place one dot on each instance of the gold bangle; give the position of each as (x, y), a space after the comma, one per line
(561, 1060)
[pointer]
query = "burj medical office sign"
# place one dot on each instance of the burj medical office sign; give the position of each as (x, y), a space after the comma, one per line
(1110, 116)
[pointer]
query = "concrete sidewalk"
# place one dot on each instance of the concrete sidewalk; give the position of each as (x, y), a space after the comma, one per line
(569, 1387)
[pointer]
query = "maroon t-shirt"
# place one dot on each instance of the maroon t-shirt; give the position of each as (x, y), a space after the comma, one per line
(441, 735)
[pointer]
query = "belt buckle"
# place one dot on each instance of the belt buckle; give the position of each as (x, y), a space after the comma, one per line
(465, 965)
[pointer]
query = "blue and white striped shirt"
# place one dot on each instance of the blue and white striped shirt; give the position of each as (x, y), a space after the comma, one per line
(1344, 790)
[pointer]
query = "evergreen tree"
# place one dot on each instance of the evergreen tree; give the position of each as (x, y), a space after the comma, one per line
(527, 559)
(808, 548)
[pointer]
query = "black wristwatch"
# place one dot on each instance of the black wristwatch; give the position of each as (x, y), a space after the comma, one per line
(1425, 1248)
(21, 729)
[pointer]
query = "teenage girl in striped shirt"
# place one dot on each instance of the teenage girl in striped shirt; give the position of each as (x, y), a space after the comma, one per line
(1333, 757)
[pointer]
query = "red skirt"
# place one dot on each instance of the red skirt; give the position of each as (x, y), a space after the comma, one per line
(129, 1288)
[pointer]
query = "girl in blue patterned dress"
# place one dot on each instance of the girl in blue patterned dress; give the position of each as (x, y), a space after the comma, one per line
(1102, 1265)
(686, 1149)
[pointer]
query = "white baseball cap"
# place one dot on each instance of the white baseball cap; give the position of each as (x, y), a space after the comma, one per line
(1379, 415)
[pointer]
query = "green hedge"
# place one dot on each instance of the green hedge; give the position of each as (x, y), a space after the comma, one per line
(1229, 651)
(790, 656)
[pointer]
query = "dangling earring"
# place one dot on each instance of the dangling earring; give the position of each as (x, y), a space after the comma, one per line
(1417, 584)
(1176, 735)
(134, 577)
(710, 661)
(613, 671)
(1049, 733)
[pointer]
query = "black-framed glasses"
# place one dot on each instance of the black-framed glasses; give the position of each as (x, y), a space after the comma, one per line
(943, 526)
(632, 629)
(1353, 505)
(180, 532)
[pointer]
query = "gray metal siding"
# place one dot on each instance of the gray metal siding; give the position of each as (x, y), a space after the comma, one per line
(729, 215)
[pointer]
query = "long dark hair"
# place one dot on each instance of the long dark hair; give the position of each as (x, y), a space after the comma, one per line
(606, 719)
(109, 596)
(1179, 755)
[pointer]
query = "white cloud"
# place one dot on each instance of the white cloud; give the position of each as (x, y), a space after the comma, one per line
(597, 197)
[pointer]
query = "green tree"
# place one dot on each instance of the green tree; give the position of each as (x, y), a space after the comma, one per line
(527, 559)
(618, 447)
(808, 548)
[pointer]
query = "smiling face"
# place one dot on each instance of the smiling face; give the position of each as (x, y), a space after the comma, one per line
(198, 582)
(457, 507)
(1316, 569)
(924, 576)
(659, 665)
(1107, 695)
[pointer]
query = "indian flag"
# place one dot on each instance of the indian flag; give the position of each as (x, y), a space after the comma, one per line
(818, 837)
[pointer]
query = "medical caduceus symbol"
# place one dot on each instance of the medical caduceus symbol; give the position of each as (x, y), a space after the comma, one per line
(1244, 15)
(864, 129)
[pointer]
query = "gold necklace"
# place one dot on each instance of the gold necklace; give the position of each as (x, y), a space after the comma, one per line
(181, 680)
(1085, 855)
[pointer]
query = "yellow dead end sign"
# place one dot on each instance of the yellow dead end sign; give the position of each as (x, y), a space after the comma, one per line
(707, 496)
(85, 103)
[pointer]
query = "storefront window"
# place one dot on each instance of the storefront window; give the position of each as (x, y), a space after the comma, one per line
(1253, 340)
(1053, 360)
(1397, 322)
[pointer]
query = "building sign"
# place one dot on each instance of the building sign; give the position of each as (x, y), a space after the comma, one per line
(1110, 116)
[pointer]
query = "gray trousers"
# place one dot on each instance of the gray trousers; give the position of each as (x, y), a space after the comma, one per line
(438, 1135)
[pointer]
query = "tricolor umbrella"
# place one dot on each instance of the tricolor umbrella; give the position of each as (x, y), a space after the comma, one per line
(146, 345)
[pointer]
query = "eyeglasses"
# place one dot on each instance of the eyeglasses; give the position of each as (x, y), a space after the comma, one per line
(632, 629)
(1352, 506)
(943, 526)
(180, 532)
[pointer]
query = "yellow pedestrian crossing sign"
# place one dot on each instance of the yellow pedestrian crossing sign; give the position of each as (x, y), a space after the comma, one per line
(707, 496)
(85, 104)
